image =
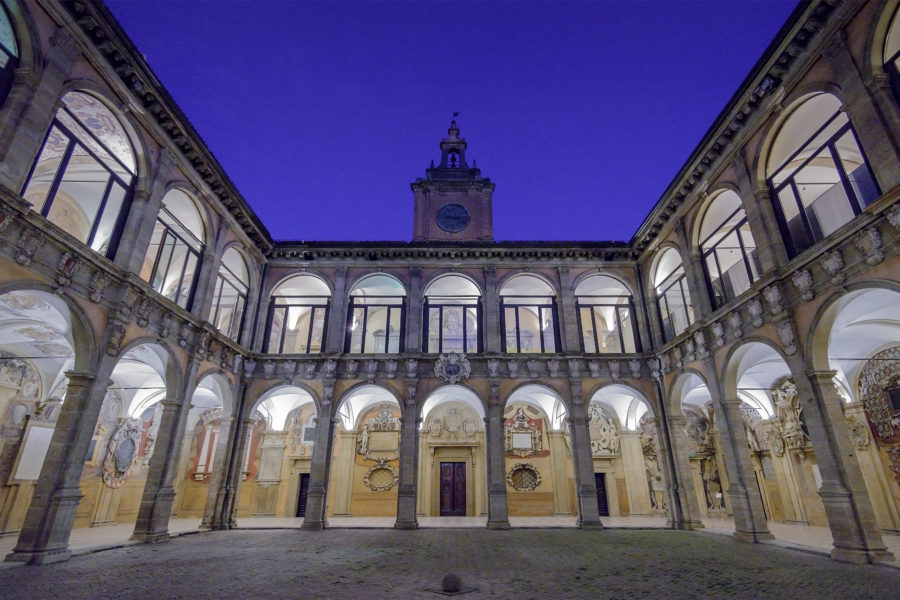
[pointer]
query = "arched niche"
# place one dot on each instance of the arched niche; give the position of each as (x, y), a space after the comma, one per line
(298, 312)
(232, 287)
(728, 249)
(606, 315)
(528, 315)
(452, 315)
(673, 299)
(377, 315)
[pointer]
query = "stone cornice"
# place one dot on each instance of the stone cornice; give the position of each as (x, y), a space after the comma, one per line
(108, 38)
(791, 42)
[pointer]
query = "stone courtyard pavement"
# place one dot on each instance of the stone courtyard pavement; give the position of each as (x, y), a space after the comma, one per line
(516, 564)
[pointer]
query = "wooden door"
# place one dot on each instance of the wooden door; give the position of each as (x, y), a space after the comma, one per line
(602, 503)
(304, 490)
(453, 489)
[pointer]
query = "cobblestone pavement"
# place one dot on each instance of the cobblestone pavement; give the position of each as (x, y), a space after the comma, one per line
(516, 564)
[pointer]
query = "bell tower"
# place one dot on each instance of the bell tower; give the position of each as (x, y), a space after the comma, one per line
(453, 201)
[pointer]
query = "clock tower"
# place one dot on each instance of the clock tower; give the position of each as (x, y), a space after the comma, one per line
(453, 201)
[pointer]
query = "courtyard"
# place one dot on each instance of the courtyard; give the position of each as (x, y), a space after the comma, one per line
(385, 563)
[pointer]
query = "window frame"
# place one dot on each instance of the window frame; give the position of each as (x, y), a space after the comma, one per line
(277, 302)
(628, 305)
(549, 304)
(194, 246)
(217, 302)
(663, 288)
(749, 265)
(452, 302)
(358, 301)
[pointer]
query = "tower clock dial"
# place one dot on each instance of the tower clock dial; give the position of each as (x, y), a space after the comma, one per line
(453, 218)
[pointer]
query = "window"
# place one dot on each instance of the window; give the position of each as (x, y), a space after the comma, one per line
(605, 316)
(528, 316)
(817, 172)
(452, 315)
(82, 179)
(298, 312)
(376, 316)
(729, 252)
(9, 53)
(170, 265)
(673, 300)
(891, 55)
(230, 295)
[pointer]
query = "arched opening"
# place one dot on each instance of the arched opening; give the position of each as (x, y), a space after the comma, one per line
(230, 295)
(376, 316)
(278, 454)
(9, 53)
(891, 54)
(862, 329)
(83, 177)
(452, 457)
(606, 316)
(817, 172)
(729, 252)
(298, 312)
(780, 449)
(707, 465)
(528, 315)
(625, 453)
(176, 245)
(452, 315)
(673, 299)
(204, 448)
(366, 456)
(37, 348)
(540, 478)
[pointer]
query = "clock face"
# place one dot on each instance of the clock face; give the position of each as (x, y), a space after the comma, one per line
(453, 217)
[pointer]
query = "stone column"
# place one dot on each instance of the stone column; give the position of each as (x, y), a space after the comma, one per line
(337, 314)
(152, 523)
(635, 473)
(236, 474)
(315, 519)
(45, 533)
(409, 459)
(342, 472)
(19, 149)
(568, 313)
(771, 252)
(693, 270)
(209, 274)
(687, 495)
(588, 510)
(498, 514)
(562, 500)
(847, 506)
(414, 309)
(215, 500)
(491, 313)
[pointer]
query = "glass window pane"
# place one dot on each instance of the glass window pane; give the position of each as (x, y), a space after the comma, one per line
(434, 329)
(548, 329)
(318, 330)
(152, 252)
(376, 330)
(395, 326)
(587, 329)
(453, 329)
(472, 329)
(162, 267)
(627, 327)
(106, 229)
(854, 164)
(296, 336)
(77, 201)
(509, 315)
(276, 329)
(187, 281)
(46, 167)
(356, 329)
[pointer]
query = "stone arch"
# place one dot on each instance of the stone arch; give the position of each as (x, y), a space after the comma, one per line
(358, 388)
(577, 281)
(678, 389)
(698, 214)
(422, 413)
(274, 386)
(204, 209)
(557, 420)
(439, 276)
(288, 276)
(554, 288)
(351, 285)
(630, 415)
(222, 376)
(29, 53)
(173, 375)
(873, 50)
(731, 373)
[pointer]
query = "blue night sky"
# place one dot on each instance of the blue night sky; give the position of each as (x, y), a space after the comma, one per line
(323, 113)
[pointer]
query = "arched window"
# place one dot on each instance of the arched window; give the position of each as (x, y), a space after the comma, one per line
(891, 55)
(298, 312)
(528, 315)
(673, 300)
(452, 315)
(605, 316)
(82, 179)
(9, 52)
(817, 172)
(375, 322)
(230, 294)
(170, 265)
(729, 252)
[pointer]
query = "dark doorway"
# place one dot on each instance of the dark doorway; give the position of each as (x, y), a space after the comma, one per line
(602, 504)
(453, 489)
(301, 498)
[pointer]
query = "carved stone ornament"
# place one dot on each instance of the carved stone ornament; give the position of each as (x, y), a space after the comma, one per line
(6, 218)
(99, 282)
(736, 324)
(269, 369)
(870, 244)
(66, 268)
(803, 282)
(121, 453)
(412, 367)
(518, 432)
(203, 344)
(184, 334)
(665, 363)
(553, 367)
(390, 368)
(129, 299)
(878, 375)
(532, 365)
(788, 409)
(859, 433)
(653, 365)
(236, 363)
(381, 476)
(452, 367)
(142, 311)
(371, 369)
(634, 367)
(833, 264)
(384, 422)
(330, 368)
(788, 339)
(893, 216)
(604, 432)
(116, 337)
(574, 367)
(700, 341)
(493, 366)
(352, 367)
(755, 308)
(894, 464)
(773, 296)
(249, 367)
(594, 368)
(310, 370)
(29, 243)
(523, 477)
(165, 324)
(718, 331)
(452, 425)
(512, 367)
(288, 368)
(689, 349)
(615, 369)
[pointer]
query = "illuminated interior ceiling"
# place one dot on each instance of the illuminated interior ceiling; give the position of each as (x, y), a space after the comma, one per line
(545, 400)
(451, 393)
(759, 367)
(359, 400)
(276, 404)
(626, 403)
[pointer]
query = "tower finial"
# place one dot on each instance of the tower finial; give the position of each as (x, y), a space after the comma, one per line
(454, 130)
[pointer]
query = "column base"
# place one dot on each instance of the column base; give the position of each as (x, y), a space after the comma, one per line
(590, 525)
(862, 557)
(45, 557)
(151, 538)
(752, 537)
(406, 525)
(498, 525)
(313, 525)
(685, 525)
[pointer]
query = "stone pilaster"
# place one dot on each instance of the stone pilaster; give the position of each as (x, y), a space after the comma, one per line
(687, 495)
(315, 518)
(771, 252)
(213, 514)
(409, 461)
(568, 313)
(588, 511)
(45, 533)
(337, 314)
(490, 312)
(847, 506)
(498, 513)
(414, 309)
